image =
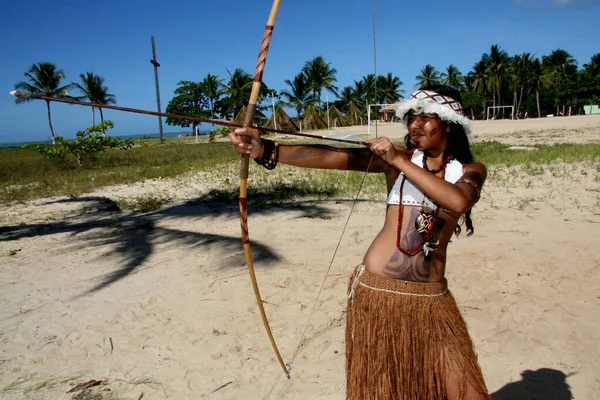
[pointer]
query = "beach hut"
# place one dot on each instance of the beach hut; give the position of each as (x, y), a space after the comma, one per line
(284, 122)
(353, 115)
(336, 118)
(239, 117)
(312, 120)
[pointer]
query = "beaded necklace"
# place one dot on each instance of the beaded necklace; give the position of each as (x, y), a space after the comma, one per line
(434, 215)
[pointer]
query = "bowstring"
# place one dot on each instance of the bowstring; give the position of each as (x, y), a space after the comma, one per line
(355, 201)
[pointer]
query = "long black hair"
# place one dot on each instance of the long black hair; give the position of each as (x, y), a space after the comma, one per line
(458, 144)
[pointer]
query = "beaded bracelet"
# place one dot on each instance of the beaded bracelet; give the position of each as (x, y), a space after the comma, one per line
(473, 185)
(270, 155)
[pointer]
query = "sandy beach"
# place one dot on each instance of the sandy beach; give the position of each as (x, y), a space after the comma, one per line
(161, 304)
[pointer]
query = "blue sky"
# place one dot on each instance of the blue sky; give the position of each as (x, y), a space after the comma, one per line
(112, 39)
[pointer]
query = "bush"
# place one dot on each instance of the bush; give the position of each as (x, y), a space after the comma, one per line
(85, 146)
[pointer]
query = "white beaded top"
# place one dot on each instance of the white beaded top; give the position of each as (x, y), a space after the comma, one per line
(411, 194)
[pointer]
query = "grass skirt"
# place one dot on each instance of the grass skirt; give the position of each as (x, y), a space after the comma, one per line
(407, 340)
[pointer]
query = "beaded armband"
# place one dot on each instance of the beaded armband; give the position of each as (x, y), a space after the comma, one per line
(473, 185)
(270, 154)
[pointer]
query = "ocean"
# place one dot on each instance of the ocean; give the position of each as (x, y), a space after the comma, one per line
(134, 137)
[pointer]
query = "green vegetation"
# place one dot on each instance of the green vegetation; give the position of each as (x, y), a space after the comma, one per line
(26, 175)
(496, 153)
(85, 146)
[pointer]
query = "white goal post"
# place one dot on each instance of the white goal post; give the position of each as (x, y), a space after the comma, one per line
(512, 111)
(369, 115)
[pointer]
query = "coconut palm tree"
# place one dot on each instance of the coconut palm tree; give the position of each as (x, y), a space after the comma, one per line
(535, 81)
(88, 81)
(499, 62)
(299, 95)
(347, 97)
(429, 76)
(43, 80)
(213, 90)
(453, 77)
(477, 80)
(520, 67)
(593, 67)
(93, 89)
(369, 84)
(388, 89)
(559, 68)
(238, 92)
(319, 76)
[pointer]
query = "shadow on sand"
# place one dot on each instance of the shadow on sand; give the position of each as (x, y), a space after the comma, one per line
(542, 384)
(134, 236)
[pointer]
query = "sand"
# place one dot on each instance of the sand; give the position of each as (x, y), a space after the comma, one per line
(160, 304)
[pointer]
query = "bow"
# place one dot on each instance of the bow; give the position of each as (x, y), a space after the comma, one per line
(248, 121)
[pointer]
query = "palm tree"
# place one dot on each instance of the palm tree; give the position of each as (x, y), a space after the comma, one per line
(520, 68)
(213, 89)
(559, 68)
(388, 89)
(369, 89)
(86, 86)
(429, 76)
(347, 97)
(593, 67)
(238, 91)
(299, 95)
(477, 80)
(535, 81)
(453, 77)
(44, 80)
(93, 89)
(319, 76)
(497, 72)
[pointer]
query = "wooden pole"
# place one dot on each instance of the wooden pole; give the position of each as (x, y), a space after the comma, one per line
(156, 65)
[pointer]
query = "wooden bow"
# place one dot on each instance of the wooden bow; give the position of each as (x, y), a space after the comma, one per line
(248, 121)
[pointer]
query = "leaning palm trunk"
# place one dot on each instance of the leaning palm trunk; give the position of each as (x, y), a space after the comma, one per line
(50, 121)
(537, 98)
(102, 120)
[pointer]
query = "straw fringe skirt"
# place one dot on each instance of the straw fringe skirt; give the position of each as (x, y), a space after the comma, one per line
(408, 341)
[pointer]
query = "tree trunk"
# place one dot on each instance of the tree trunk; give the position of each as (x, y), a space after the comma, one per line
(212, 114)
(50, 121)
(520, 101)
(537, 99)
(102, 120)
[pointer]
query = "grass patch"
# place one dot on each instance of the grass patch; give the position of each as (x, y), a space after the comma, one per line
(496, 153)
(26, 175)
(144, 203)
